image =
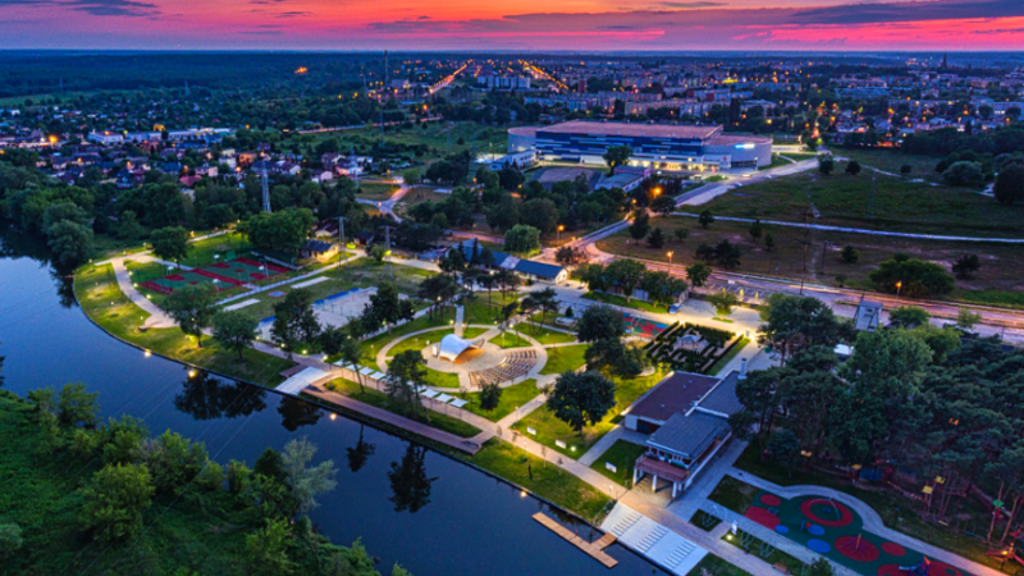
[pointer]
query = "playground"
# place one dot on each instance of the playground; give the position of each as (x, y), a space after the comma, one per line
(836, 532)
(224, 275)
(642, 327)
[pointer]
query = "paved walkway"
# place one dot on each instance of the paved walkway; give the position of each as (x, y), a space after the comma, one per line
(872, 521)
(157, 317)
(864, 230)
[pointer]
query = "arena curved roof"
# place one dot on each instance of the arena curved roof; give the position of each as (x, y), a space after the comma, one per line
(451, 346)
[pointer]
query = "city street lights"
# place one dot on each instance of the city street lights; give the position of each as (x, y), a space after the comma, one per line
(560, 228)
(670, 258)
(899, 285)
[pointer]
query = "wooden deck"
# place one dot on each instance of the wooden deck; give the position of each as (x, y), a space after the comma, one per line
(595, 549)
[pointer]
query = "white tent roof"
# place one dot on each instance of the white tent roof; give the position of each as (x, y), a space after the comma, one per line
(452, 346)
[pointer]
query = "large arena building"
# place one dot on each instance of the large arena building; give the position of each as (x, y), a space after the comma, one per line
(661, 147)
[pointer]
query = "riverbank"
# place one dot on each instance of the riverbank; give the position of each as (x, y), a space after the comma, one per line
(199, 522)
(105, 305)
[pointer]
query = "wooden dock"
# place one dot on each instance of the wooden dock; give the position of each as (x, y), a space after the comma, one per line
(595, 549)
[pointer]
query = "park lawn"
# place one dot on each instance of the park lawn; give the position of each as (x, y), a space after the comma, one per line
(376, 190)
(715, 566)
(705, 521)
(550, 429)
(441, 379)
(511, 399)
(103, 302)
(623, 456)
(1004, 298)
(897, 512)
(922, 166)
(798, 156)
(617, 300)
(379, 399)
(542, 478)
(483, 310)
(508, 339)
(734, 494)
(565, 359)
(753, 544)
(201, 252)
(366, 273)
(997, 283)
(546, 335)
(898, 205)
(421, 323)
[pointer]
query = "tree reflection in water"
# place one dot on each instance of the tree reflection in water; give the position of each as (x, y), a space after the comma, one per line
(360, 453)
(207, 398)
(297, 413)
(410, 486)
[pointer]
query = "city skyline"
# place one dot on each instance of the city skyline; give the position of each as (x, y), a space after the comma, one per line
(577, 25)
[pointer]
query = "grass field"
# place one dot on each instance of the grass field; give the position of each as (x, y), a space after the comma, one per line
(623, 456)
(564, 359)
(715, 566)
(201, 252)
(544, 479)
(734, 494)
(511, 398)
(896, 204)
(372, 190)
(101, 299)
(550, 429)
(892, 160)
(996, 283)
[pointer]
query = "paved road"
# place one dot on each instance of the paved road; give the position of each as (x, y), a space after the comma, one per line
(387, 207)
(864, 230)
(710, 191)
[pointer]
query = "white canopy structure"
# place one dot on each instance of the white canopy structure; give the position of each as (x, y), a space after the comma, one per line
(451, 346)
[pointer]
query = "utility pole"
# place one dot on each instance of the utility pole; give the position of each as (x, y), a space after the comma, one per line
(389, 273)
(824, 251)
(341, 232)
(265, 185)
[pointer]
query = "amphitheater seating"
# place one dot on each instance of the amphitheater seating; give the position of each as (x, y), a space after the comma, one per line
(514, 365)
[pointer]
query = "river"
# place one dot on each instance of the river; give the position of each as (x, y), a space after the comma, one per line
(433, 514)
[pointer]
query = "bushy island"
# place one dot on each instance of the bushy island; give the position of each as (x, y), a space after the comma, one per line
(81, 496)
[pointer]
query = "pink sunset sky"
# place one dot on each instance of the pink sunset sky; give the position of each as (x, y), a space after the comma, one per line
(535, 25)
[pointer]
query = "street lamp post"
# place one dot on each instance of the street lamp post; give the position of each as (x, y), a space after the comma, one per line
(670, 258)
(560, 228)
(899, 286)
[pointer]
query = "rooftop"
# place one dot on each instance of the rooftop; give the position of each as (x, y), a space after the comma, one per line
(674, 395)
(689, 436)
(683, 132)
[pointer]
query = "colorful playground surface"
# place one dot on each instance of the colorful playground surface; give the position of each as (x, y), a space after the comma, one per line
(643, 328)
(836, 532)
(224, 275)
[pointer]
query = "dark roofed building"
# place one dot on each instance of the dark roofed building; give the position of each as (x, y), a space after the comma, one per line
(687, 417)
(673, 395)
(529, 268)
(317, 249)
